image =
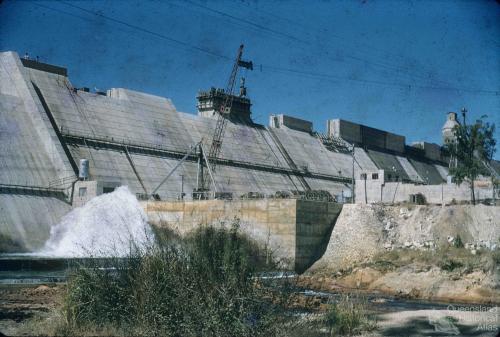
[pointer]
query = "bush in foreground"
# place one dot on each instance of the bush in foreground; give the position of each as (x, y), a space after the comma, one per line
(204, 286)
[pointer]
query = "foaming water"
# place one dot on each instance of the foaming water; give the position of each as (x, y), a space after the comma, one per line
(109, 225)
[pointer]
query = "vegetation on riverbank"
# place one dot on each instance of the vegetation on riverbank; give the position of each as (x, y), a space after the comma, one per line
(205, 284)
(202, 285)
(448, 273)
(348, 316)
(448, 258)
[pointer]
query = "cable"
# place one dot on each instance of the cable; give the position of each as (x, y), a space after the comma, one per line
(403, 85)
(176, 41)
(356, 58)
(245, 21)
(367, 46)
(411, 74)
(309, 28)
(265, 67)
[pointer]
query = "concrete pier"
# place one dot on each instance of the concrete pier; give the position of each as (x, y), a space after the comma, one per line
(295, 231)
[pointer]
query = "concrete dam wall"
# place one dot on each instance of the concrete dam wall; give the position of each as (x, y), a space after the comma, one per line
(131, 138)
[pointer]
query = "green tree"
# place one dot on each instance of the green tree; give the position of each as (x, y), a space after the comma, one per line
(472, 150)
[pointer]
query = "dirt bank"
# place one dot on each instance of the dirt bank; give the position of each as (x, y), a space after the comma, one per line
(446, 274)
(411, 251)
(362, 231)
(412, 283)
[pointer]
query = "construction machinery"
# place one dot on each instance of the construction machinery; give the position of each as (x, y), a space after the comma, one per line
(207, 188)
(206, 184)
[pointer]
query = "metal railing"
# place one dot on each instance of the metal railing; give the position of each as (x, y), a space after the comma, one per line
(62, 182)
(312, 195)
(334, 144)
(164, 151)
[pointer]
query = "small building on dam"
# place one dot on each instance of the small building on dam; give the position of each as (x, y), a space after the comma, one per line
(61, 145)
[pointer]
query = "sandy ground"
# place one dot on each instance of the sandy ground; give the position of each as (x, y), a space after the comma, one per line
(456, 321)
(23, 307)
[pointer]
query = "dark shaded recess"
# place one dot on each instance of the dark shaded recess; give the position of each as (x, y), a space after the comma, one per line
(44, 67)
(427, 171)
(302, 237)
(30, 263)
(386, 162)
(10, 245)
(15, 315)
(321, 248)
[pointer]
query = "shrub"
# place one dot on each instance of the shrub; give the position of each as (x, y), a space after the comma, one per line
(495, 255)
(420, 199)
(164, 236)
(204, 286)
(450, 265)
(457, 243)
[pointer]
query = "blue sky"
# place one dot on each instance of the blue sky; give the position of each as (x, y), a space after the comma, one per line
(394, 65)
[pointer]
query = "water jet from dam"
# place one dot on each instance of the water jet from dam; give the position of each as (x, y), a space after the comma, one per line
(111, 224)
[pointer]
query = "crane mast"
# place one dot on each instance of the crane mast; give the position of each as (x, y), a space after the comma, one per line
(220, 126)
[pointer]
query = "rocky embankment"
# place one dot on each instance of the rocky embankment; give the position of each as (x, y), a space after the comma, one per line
(431, 252)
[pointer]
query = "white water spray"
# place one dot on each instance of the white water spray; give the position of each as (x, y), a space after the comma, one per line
(108, 225)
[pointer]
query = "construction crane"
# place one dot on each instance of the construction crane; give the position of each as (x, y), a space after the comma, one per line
(203, 188)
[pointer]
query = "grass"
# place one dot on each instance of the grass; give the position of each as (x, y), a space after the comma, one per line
(458, 243)
(450, 259)
(53, 323)
(348, 316)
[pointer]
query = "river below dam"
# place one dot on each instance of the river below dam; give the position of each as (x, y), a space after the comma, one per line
(29, 283)
(33, 270)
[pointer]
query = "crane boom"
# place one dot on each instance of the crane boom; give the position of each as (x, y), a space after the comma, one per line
(220, 126)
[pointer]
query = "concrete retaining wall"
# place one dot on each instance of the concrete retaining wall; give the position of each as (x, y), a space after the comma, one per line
(277, 121)
(371, 191)
(431, 150)
(296, 231)
(366, 135)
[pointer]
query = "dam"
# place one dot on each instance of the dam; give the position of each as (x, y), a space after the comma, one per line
(48, 127)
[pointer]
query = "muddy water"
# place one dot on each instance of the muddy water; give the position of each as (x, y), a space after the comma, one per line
(32, 269)
(395, 316)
